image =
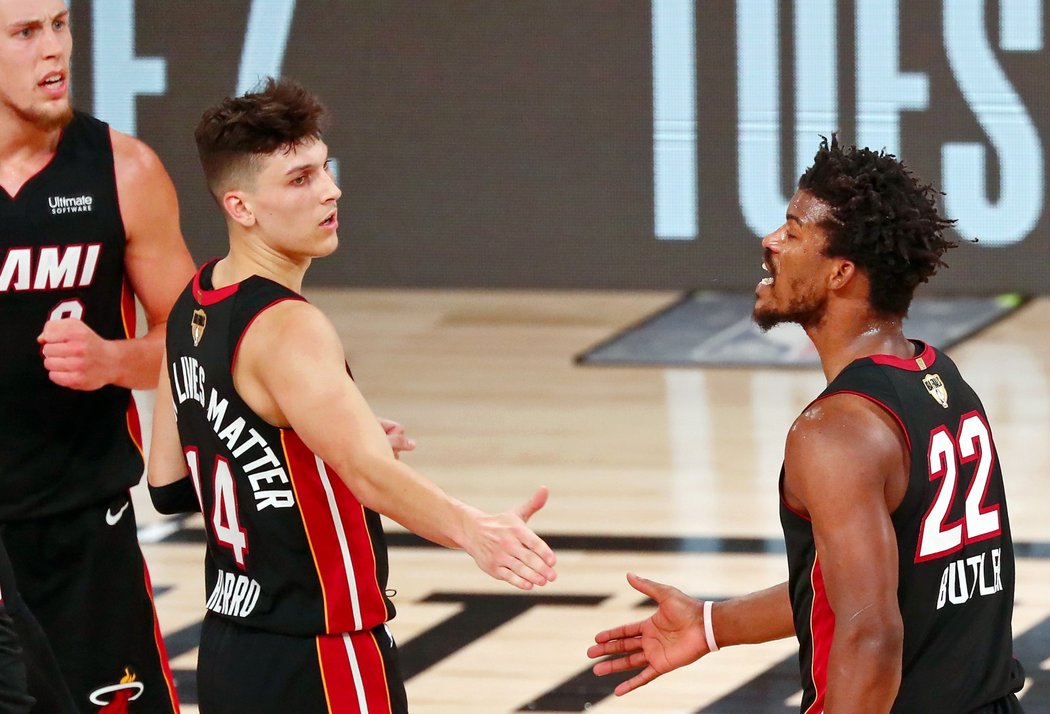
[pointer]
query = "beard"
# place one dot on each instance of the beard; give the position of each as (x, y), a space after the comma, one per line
(805, 309)
(48, 119)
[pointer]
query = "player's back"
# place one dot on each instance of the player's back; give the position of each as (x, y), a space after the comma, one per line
(290, 549)
(955, 553)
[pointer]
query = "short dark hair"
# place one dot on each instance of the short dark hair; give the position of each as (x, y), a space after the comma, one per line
(232, 135)
(882, 219)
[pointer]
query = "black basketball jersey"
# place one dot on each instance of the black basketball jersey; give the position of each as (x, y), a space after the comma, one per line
(290, 548)
(62, 245)
(955, 554)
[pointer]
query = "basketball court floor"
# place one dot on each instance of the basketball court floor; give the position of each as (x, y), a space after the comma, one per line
(670, 473)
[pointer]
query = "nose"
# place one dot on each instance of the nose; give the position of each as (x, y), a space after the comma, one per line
(52, 45)
(771, 242)
(332, 191)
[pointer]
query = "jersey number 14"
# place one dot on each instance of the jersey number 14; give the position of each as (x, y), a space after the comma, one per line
(225, 523)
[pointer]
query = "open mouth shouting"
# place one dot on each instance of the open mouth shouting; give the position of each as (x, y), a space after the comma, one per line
(54, 83)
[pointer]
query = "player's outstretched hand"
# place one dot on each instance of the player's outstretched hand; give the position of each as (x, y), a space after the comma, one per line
(75, 356)
(671, 638)
(507, 549)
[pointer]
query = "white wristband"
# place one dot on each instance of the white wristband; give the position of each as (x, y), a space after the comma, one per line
(709, 629)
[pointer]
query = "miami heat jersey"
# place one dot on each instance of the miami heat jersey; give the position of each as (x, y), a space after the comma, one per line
(62, 247)
(955, 553)
(290, 548)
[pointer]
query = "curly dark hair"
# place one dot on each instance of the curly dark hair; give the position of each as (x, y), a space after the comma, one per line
(232, 135)
(883, 220)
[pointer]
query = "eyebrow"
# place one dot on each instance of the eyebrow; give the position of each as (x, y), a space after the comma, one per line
(38, 22)
(307, 166)
(301, 167)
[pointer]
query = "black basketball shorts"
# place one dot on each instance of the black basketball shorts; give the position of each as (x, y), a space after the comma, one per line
(240, 669)
(83, 576)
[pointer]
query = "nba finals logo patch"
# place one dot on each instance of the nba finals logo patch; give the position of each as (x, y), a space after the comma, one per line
(935, 387)
(197, 324)
(114, 698)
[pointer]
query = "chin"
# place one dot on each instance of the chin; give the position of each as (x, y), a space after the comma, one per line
(766, 319)
(328, 246)
(51, 118)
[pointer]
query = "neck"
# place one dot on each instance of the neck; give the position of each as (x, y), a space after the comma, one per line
(844, 338)
(24, 150)
(250, 257)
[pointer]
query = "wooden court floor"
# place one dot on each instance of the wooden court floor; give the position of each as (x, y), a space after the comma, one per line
(670, 473)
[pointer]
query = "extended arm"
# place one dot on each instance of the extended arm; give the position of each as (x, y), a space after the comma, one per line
(158, 266)
(309, 390)
(846, 467)
(675, 634)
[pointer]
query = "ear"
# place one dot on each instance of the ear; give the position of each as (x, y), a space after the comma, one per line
(843, 273)
(235, 203)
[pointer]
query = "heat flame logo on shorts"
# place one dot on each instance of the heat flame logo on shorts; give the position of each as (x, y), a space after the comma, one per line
(114, 698)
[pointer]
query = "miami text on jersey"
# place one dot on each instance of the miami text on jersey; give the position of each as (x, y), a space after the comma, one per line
(49, 268)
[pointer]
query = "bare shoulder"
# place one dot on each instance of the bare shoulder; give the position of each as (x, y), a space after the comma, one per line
(844, 421)
(844, 442)
(289, 355)
(293, 327)
(133, 158)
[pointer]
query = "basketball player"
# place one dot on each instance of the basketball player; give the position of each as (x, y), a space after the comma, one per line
(260, 425)
(89, 221)
(901, 565)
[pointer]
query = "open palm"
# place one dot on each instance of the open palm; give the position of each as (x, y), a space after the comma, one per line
(672, 637)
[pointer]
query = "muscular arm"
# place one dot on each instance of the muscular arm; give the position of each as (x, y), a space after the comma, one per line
(291, 370)
(845, 465)
(157, 265)
(156, 260)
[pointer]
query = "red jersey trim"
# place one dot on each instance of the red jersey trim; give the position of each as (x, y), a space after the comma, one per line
(921, 362)
(353, 675)
(134, 424)
(340, 542)
(158, 638)
(821, 632)
(127, 310)
(210, 297)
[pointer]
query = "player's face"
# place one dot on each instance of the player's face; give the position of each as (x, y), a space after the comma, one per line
(35, 45)
(796, 289)
(294, 200)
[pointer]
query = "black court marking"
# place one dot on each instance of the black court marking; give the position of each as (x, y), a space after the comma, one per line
(481, 614)
(628, 544)
(767, 692)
